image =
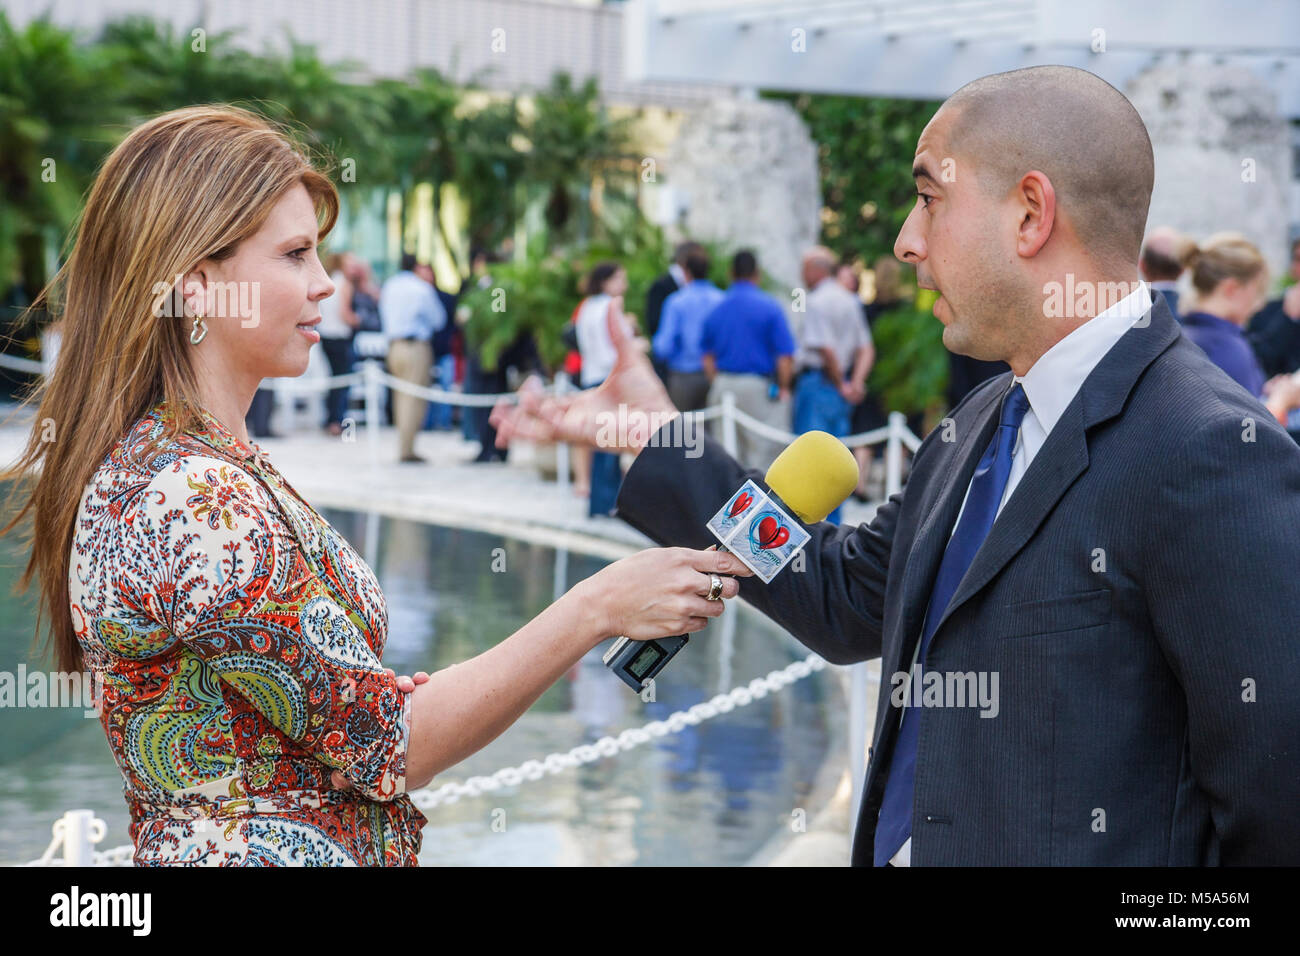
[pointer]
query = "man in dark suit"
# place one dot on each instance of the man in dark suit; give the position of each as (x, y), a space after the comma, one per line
(1274, 331)
(1103, 539)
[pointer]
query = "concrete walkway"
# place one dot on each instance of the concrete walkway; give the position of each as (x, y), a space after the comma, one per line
(513, 499)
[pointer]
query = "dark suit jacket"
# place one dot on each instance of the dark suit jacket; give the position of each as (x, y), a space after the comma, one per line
(664, 286)
(660, 290)
(1275, 337)
(1138, 596)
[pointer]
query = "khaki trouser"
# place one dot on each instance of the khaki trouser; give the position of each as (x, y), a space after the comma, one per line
(411, 362)
(752, 451)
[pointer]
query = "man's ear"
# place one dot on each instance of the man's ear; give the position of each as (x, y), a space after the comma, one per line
(1036, 200)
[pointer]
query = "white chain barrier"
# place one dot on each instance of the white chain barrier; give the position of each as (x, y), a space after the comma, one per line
(371, 376)
(77, 830)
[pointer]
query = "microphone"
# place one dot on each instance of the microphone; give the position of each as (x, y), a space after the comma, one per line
(811, 477)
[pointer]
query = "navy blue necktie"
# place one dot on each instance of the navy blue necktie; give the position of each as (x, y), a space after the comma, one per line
(987, 485)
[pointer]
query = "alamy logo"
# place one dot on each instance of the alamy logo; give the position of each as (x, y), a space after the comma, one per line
(102, 909)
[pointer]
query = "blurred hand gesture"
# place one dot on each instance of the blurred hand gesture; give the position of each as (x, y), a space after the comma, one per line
(590, 417)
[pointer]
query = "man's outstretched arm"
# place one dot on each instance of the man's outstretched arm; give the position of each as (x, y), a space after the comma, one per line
(832, 600)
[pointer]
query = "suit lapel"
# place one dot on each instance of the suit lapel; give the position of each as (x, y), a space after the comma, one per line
(1064, 456)
(932, 539)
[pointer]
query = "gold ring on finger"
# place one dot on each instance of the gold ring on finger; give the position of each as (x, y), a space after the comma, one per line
(715, 587)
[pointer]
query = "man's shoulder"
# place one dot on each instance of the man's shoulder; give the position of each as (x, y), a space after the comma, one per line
(1181, 395)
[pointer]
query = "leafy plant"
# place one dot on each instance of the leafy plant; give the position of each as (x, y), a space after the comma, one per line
(864, 157)
(910, 373)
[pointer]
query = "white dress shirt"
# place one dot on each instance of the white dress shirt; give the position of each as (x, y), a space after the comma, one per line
(410, 307)
(1050, 385)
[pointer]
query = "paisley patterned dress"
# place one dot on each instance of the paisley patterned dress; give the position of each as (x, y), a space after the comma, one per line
(239, 637)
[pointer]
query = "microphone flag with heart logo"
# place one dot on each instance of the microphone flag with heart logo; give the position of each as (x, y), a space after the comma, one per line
(814, 474)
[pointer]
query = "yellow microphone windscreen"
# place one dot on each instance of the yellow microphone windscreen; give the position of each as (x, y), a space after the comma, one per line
(814, 475)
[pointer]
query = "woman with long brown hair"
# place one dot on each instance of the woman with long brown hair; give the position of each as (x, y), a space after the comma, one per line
(238, 636)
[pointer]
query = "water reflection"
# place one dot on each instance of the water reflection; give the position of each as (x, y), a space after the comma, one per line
(711, 794)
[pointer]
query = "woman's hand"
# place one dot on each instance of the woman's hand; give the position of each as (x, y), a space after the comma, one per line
(405, 685)
(661, 592)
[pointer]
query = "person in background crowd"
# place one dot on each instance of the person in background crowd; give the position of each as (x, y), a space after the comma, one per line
(337, 327)
(411, 314)
(479, 277)
(1274, 331)
(1229, 276)
(870, 413)
(664, 286)
(835, 352)
(520, 354)
(677, 340)
(747, 349)
(439, 414)
(258, 419)
(605, 281)
(1161, 262)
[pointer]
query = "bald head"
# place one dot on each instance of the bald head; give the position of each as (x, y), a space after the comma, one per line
(818, 262)
(1163, 254)
(1075, 128)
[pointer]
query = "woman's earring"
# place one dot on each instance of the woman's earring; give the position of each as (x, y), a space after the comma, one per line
(198, 331)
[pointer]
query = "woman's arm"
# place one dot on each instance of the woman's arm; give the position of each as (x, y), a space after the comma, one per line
(459, 710)
(463, 708)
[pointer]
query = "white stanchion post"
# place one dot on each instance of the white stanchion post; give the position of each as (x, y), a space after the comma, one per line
(562, 447)
(729, 423)
(370, 369)
(894, 454)
(80, 831)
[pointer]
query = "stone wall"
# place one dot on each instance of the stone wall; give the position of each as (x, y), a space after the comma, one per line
(743, 172)
(1221, 151)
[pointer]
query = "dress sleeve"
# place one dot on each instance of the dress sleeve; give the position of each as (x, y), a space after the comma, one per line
(207, 555)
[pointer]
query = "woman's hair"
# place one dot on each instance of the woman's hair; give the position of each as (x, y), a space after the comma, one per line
(1224, 255)
(600, 273)
(185, 186)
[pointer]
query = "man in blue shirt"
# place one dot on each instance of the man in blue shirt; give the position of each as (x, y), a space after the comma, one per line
(411, 313)
(746, 342)
(678, 340)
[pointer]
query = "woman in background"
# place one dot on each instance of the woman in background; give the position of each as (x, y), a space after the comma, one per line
(1230, 282)
(605, 281)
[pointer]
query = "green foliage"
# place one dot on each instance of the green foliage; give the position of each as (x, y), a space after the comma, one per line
(536, 295)
(51, 139)
(865, 150)
(571, 138)
(911, 368)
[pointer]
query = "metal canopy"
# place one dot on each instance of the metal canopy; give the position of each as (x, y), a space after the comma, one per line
(926, 49)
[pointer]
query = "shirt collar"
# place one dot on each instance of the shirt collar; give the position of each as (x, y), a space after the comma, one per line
(1052, 382)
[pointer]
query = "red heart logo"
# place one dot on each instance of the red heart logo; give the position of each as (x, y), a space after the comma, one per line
(770, 535)
(740, 504)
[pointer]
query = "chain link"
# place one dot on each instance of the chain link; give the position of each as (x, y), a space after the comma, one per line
(428, 797)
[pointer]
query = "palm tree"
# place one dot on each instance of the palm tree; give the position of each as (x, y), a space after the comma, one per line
(572, 138)
(53, 112)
